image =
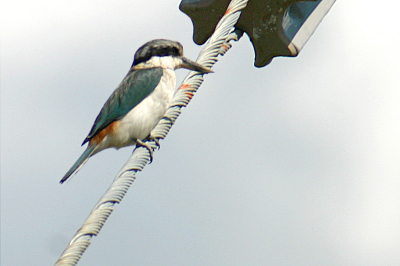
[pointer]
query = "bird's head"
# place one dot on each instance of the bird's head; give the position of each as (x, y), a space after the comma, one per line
(167, 54)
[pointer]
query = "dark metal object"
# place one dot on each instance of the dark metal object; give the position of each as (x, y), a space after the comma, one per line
(270, 24)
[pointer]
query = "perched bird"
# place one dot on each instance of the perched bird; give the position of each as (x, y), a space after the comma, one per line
(140, 100)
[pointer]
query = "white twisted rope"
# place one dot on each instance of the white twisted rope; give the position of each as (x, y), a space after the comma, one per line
(218, 44)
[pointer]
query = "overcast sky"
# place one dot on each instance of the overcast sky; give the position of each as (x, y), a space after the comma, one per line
(296, 163)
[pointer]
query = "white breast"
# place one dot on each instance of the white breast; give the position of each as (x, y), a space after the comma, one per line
(141, 120)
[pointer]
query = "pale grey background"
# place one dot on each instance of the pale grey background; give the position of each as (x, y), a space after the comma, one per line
(297, 163)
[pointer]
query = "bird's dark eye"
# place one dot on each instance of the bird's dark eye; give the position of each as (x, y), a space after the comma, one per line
(164, 51)
(174, 51)
(167, 51)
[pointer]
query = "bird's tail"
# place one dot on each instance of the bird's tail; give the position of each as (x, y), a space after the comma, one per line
(79, 163)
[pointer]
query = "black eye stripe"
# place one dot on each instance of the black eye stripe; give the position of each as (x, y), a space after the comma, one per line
(157, 48)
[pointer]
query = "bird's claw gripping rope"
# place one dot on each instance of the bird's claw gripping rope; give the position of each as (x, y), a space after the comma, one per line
(140, 143)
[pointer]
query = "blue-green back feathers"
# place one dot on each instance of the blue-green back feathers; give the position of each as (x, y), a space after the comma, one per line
(136, 86)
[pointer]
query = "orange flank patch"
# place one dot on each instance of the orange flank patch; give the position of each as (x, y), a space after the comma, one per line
(110, 129)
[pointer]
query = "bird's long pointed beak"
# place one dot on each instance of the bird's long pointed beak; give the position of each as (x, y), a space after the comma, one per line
(189, 64)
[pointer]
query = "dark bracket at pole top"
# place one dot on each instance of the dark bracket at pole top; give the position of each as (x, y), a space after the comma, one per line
(275, 27)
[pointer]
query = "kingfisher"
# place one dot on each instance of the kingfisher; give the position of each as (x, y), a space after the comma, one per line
(139, 102)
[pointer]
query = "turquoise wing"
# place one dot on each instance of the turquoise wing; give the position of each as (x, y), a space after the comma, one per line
(136, 86)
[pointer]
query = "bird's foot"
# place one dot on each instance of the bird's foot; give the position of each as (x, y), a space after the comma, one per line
(141, 143)
(155, 139)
